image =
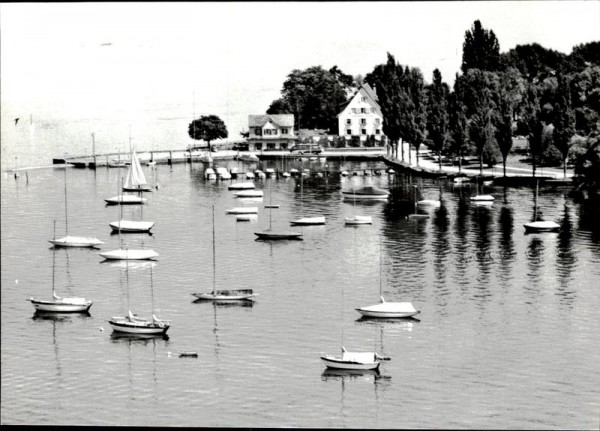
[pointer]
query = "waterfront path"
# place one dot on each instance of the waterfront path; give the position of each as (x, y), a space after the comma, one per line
(515, 167)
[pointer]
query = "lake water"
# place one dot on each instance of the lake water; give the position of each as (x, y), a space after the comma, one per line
(508, 335)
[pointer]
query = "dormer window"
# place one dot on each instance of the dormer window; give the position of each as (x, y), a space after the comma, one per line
(348, 121)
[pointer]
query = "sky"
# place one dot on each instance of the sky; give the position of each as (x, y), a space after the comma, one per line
(146, 69)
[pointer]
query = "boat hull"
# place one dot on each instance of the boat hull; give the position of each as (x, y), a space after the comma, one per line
(131, 226)
(278, 235)
(125, 200)
(137, 189)
(76, 241)
(541, 226)
(245, 210)
(482, 198)
(139, 328)
(249, 194)
(226, 295)
(130, 255)
(306, 221)
(358, 220)
(389, 310)
(61, 306)
(364, 197)
(338, 363)
(241, 186)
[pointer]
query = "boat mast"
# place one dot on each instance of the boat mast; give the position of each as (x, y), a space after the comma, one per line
(120, 210)
(214, 253)
(535, 198)
(54, 261)
(127, 278)
(270, 204)
(66, 211)
(152, 290)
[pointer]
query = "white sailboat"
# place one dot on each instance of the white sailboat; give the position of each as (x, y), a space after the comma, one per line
(73, 241)
(126, 254)
(271, 234)
(135, 181)
(485, 199)
(352, 360)
(130, 225)
(357, 219)
(134, 325)
(388, 309)
(538, 225)
(222, 294)
(58, 304)
(306, 221)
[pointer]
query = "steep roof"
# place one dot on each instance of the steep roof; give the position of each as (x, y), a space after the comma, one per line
(369, 92)
(281, 120)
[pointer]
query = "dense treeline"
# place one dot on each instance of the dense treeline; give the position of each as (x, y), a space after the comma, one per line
(548, 97)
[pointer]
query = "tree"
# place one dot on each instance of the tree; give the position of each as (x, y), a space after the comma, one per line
(437, 115)
(563, 122)
(314, 96)
(530, 124)
(586, 158)
(207, 128)
(509, 96)
(415, 126)
(480, 49)
(457, 125)
(534, 61)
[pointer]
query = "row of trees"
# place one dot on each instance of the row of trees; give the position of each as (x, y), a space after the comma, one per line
(548, 97)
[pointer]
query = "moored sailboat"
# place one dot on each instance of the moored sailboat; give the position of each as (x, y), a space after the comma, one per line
(73, 241)
(59, 304)
(134, 325)
(222, 294)
(538, 225)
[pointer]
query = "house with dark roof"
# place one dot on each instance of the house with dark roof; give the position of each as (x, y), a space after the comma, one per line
(361, 115)
(270, 132)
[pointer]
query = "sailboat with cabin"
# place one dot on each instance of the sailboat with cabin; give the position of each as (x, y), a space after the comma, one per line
(59, 304)
(387, 309)
(130, 225)
(271, 234)
(306, 221)
(134, 325)
(222, 294)
(126, 254)
(73, 241)
(538, 225)
(352, 360)
(135, 181)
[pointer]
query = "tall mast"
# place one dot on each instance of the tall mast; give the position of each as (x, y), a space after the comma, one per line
(152, 290)
(53, 260)
(127, 277)
(120, 209)
(214, 253)
(66, 211)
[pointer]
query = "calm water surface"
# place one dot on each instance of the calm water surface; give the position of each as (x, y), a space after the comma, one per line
(508, 335)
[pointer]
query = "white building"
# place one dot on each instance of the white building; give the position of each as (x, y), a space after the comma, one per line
(361, 116)
(270, 132)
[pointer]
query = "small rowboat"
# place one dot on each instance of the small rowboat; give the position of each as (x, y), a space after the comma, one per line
(354, 360)
(243, 210)
(188, 354)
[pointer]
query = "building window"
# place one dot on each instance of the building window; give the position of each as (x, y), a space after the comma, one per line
(363, 99)
(354, 110)
(377, 131)
(363, 110)
(372, 110)
(348, 131)
(285, 131)
(257, 131)
(348, 121)
(377, 121)
(364, 131)
(363, 121)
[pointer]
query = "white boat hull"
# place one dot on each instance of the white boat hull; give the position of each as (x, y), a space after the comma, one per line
(482, 198)
(364, 197)
(129, 254)
(542, 226)
(429, 203)
(309, 221)
(63, 305)
(389, 309)
(226, 295)
(142, 327)
(241, 186)
(353, 360)
(76, 241)
(131, 226)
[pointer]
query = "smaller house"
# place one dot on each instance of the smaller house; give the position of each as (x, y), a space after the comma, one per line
(361, 116)
(270, 132)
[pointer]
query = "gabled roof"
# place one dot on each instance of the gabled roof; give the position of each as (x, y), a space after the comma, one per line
(366, 88)
(281, 120)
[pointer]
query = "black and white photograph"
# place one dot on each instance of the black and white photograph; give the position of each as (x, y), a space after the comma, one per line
(280, 214)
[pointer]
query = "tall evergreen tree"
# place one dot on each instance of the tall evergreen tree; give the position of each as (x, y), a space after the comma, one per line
(457, 125)
(437, 115)
(415, 128)
(481, 49)
(563, 122)
(530, 124)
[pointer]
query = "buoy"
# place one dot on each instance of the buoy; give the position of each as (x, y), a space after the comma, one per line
(16, 281)
(101, 329)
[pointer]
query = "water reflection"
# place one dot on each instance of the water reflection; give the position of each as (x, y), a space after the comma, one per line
(535, 261)
(566, 259)
(461, 245)
(140, 339)
(441, 248)
(506, 245)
